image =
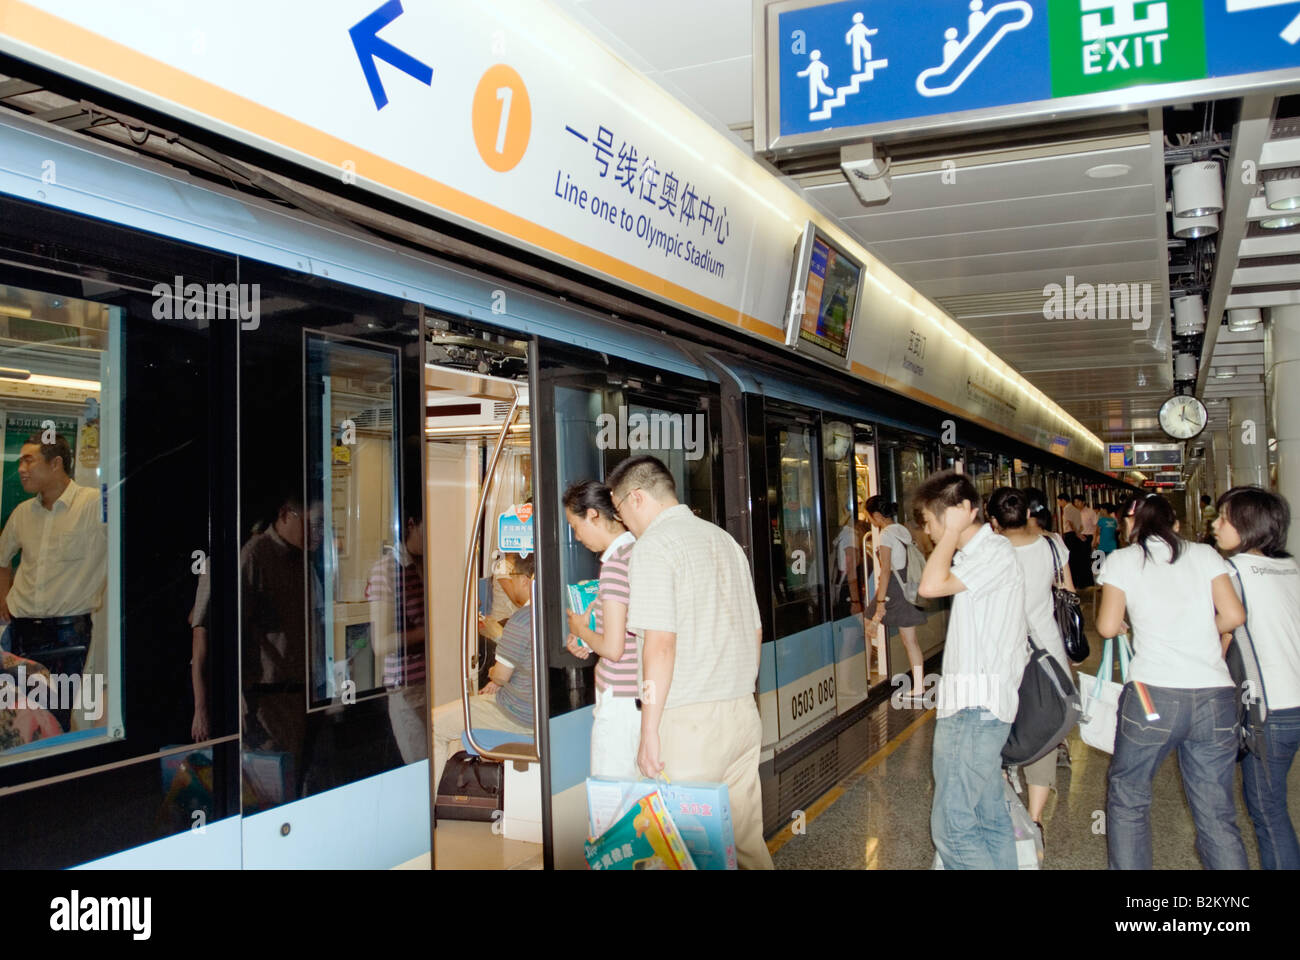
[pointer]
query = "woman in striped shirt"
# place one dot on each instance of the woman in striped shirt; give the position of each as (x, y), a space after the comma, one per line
(616, 726)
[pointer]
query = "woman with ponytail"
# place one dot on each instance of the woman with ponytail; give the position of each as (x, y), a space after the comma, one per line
(1179, 695)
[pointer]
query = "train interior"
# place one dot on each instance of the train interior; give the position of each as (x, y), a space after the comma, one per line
(479, 489)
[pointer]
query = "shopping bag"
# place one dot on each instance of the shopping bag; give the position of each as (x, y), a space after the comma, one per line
(1100, 697)
(1029, 843)
(701, 812)
(644, 838)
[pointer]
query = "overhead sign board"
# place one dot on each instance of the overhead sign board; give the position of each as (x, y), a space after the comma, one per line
(1148, 455)
(1120, 455)
(838, 71)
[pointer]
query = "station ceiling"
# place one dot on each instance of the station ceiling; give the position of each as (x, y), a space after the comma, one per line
(1012, 215)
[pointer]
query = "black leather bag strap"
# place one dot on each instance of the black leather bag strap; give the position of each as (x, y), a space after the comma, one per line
(1059, 578)
(1245, 628)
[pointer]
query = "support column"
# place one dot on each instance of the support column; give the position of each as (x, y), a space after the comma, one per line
(1282, 386)
(1217, 457)
(1248, 435)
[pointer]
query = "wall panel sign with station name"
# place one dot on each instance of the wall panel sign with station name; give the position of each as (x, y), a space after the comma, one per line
(837, 71)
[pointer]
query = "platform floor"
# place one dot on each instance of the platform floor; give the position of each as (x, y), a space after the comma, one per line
(879, 817)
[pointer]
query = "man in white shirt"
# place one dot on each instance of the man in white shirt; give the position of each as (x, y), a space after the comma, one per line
(63, 573)
(691, 598)
(983, 661)
(1087, 522)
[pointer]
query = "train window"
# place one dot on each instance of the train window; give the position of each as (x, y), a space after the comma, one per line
(60, 664)
(797, 560)
(845, 524)
(353, 532)
(904, 464)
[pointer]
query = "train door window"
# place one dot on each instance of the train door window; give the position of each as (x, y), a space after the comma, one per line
(798, 571)
(804, 651)
(600, 419)
(60, 581)
(905, 463)
(846, 479)
(354, 533)
(982, 472)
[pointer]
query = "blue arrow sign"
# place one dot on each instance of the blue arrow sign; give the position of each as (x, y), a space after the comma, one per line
(370, 48)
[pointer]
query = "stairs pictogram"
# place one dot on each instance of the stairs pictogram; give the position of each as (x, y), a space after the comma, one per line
(842, 93)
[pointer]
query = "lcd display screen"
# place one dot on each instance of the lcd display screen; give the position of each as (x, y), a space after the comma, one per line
(830, 298)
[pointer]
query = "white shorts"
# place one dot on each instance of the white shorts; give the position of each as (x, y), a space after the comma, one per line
(615, 737)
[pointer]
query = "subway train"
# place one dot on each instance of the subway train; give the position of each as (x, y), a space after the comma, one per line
(286, 416)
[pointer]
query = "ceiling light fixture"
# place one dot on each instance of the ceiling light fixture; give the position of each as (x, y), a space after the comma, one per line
(14, 373)
(1189, 316)
(1244, 320)
(1223, 373)
(1184, 366)
(1283, 194)
(23, 313)
(1198, 189)
(1279, 223)
(1189, 228)
(1108, 171)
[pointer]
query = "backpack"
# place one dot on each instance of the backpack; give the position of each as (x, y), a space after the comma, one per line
(1049, 707)
(915, 567)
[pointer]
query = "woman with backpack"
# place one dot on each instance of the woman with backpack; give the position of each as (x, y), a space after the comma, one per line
(1180, 695)
(1040, 559)
(892, 606)
(1252, 525)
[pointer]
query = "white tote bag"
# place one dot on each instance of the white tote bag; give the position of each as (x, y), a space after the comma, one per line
(1100, 697)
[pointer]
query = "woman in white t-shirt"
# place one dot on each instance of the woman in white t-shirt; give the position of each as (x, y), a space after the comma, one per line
(1009, 511)
(1180, 695)
(1252, 525)
(892, 606)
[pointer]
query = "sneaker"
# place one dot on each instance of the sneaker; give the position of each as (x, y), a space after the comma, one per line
(1063, 756)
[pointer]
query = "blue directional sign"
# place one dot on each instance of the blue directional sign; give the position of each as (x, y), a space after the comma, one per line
(868, 61)
(1242, 36)
(869, 67)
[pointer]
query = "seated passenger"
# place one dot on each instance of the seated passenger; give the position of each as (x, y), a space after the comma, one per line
(506, 702)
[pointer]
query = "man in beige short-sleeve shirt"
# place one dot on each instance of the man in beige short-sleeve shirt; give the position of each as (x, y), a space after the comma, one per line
(692, 602)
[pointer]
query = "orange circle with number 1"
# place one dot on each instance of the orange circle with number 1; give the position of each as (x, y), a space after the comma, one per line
(502, 117)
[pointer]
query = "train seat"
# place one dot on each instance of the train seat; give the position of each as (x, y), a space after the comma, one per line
(521, 784)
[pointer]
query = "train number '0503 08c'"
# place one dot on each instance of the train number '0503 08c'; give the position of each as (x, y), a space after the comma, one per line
(804, 701)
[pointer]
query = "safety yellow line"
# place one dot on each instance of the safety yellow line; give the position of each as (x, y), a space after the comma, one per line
(834, 793)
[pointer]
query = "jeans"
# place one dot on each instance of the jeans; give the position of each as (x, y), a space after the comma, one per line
(1202, 724)
(1264, 783)
(969, 822)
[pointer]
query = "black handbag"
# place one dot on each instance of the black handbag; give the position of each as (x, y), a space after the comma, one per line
(470, 789)
(1047, 712)
(1069, 613)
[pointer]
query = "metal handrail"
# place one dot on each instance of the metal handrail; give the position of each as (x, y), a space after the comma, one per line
(469, 612)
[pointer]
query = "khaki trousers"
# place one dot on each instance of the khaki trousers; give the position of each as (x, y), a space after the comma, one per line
(718, 742)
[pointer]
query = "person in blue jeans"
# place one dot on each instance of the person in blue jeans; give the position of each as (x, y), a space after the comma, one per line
(1252, 525)
(983, 660)
(1180, 696)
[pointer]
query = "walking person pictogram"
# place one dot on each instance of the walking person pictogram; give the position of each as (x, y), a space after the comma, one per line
(857, 37)
(816, 72)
